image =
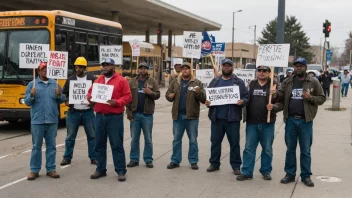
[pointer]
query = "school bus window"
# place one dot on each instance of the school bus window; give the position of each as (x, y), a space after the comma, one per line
(61, 44)
(103, 40)
(2, 52)
(93, 51)
(81, 37)
(113, 40)
(126, 63)
(81, 50)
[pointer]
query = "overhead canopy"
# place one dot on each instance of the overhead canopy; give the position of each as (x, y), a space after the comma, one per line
(136, 16)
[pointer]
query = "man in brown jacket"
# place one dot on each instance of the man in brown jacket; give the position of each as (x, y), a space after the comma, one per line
(145, 90)
(186, 93)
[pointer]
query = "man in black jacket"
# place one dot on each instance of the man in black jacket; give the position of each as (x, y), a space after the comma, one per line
(79, 114)
(226, 119)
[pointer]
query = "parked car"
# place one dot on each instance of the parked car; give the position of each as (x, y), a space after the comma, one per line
(314, 70)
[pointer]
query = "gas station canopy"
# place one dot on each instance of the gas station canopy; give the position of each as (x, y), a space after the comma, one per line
(136, 16)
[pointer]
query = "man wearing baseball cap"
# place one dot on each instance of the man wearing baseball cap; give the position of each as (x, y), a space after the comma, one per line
(186, 93)
(44, 120)
(175, 73)
(145, 90)
(299, 98)
(225, 119)
(109, 121)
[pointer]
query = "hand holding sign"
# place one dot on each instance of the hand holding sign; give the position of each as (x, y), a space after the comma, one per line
(111, 102)
(102, 93)
(33, 91)
(58, 92)
(207, 103)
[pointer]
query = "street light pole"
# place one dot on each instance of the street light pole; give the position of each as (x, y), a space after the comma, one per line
(233, 31)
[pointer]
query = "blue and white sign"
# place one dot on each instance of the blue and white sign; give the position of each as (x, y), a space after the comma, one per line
(218, 49)
(328, 55)
(206, 44)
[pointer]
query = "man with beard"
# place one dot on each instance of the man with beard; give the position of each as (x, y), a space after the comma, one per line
(175, 74)
(109, 121)
(257, 128)
(44, 98)
(79, 114)
(299, 97)
(145, 90)
(226, 119)
(186, 92)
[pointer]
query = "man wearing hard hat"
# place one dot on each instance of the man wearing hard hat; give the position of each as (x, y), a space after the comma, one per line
(79, 114)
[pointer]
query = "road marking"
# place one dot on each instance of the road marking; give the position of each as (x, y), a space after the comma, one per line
(12, 183)
(204, 110)
(63, 167)
(2, 157)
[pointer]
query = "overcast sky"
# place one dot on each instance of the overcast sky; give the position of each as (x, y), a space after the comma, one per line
(310, 13)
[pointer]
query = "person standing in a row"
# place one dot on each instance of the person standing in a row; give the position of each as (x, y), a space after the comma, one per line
(44, 99)
(176, 72)
(326, 82)
(225, 119)
(345, 82)
(79, 114)
(186, 92)
(145, 90)
(109, 121)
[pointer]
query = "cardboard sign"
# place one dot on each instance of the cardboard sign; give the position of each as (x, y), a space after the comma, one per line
(136, 50)
(192, 43)
(205, 76)
(101, 93)
(246, 75)
(223, 95)
(111, 51)
(176, 61)
(32, 54)
(58, 65)
(273, 55)
(78, 91)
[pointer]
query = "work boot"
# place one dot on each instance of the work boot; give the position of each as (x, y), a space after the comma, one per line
(149, 165)
(172, 165)
(32, 176)
(213, 168)
(243, 177)
(97, 175)
(121, 177)
(93, 162)
(194, 166)
(237, 171)
(308, 182)
(287, 179)
(267, 176)
(53, 174)
(132, 164)
(65, 162)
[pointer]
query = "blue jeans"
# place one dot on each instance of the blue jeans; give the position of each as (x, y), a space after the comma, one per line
(255, 133)
(344, 89)
(49, 132)
(232, 130)
(140, 122)
(110, 126)
(179, 127)
(303, 131)
(73, 120)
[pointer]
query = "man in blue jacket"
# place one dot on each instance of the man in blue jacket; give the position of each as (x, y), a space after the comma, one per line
(226, 119)
(44, 99)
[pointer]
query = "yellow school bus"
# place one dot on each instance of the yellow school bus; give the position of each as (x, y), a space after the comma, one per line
(79, 35)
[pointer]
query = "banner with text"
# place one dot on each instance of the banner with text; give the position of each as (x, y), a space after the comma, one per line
(218, 49)
(205, 76)
(245, 74)
(57, 65)
(32, 54)
(111, 51)
(273, 55)
(223, 95)
(78, 91)
(192, 43)
(136, 50)
(101, 93)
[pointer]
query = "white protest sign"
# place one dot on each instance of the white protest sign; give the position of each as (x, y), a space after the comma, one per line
(205, 76)
(223, 95)
(176, 61)
(273, 55)
(245, 74)
(192, 44)
(57, 65)
(101, 93)
(78, 91)
(136, 50)
(111, 51)
(32, 54)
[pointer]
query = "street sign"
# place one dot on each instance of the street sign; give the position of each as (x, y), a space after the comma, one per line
(328, 55)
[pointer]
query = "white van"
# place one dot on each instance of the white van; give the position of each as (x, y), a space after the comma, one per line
(314, 69)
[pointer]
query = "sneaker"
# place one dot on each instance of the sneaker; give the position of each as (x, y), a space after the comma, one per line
(287, 179)
(65, 162)
(98, 175)
(93, 162)
(53, 174)
(32, 176)
(121, 177)
(267, 176)
(132, 164)
(237, 171)
(194, 166)
(172, 165)
(149, 164)
(213, 168)
(308, 182)
(243, 177)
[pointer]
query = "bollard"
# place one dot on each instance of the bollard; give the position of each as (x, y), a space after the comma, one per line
(336, 84)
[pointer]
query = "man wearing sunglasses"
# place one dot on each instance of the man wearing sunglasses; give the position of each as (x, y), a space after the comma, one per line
(257, 128)
(44, 99)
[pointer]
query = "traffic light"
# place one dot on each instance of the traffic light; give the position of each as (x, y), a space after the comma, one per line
(327, 28)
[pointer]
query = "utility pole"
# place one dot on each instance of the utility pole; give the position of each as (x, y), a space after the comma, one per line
(233, 31)
(255, 43)
(280, 31)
